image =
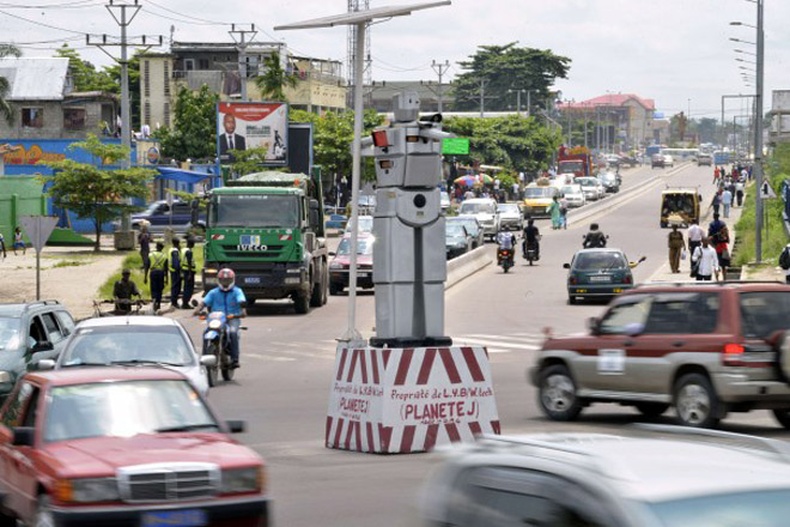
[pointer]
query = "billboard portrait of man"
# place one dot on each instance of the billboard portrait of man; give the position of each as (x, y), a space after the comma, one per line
(230, 140)
(253, 125)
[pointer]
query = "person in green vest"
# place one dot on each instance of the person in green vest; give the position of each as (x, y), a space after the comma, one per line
(188, 269)
(174, 266)
(158, 274)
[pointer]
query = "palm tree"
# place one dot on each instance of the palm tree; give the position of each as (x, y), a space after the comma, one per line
(7, 50)
(272, 83)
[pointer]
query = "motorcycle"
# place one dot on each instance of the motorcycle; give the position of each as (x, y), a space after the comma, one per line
(505, 258)
(531, 253)
(216, 341)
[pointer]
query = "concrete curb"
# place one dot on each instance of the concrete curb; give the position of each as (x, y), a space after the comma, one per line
(467, 264)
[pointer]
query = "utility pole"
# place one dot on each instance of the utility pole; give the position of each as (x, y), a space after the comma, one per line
(239, 36)
(440, 70)
(483, 83)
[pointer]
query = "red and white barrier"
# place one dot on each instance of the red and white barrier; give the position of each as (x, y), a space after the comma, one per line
(401, 400)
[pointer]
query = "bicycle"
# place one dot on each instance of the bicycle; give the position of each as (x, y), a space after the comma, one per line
(136, 307)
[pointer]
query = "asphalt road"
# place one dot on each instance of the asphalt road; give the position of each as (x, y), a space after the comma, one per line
(287, 364)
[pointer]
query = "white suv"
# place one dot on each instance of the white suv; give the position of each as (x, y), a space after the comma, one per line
(485, 210)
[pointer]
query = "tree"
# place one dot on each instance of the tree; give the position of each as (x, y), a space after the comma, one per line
(273, 82)
(84, 74)
(194, 133)
(133, 70)
(92, 191)
(7, 50)
(503, 71)
(515, 143)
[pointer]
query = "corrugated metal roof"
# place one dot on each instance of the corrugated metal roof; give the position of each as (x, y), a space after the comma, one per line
(35, 79)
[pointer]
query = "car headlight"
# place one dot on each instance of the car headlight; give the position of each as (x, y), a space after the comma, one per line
(250, 479)
(6, 376)
(336, 265)
(86, 490)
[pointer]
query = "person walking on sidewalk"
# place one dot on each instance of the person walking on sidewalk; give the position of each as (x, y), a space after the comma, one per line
(144, 239)
(706, 260)
(739, 192)
(694, 235)
(716, 202)
(719, 236)
(676, 245)
(158, 272)
(174, 266)
(188, 272)
(2, 245)
(726, 201)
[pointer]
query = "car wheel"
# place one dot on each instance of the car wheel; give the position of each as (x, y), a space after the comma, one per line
(43, 517)
(781, 415)
(572, 300)
(557, 394)
(695, 401)
(652, 410)
(319, 289)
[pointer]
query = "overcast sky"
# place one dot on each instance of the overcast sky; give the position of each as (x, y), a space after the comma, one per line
(676, 52)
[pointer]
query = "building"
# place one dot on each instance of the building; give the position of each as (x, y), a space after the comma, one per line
(194, 64)
(378, 95)
(44, 105)
(611, 122)
(780, 118)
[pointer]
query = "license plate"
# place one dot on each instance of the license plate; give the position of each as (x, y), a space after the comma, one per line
(183, 518)
(600, 279)
(252, 279)
(363, 275)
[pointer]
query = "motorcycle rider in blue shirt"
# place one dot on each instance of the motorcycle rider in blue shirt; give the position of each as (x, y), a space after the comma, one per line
(230, 300)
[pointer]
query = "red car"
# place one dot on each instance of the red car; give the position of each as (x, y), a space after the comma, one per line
(123, 447)
(338, 267)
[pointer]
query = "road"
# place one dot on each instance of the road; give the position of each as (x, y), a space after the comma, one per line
(283, 386)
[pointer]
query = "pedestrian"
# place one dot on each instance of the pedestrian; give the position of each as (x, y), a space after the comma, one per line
(19, 243)
(784, 262)
(174, 266)
(158, 274)
(188, 270)
(719, 237)
(726, 201)
(694, 235)
(739, 192)
(144, 239)
(564, 212)
(707, 262)
(716, 202)
(716, 176)
(2, 245)
(676, 245)
(556, 214)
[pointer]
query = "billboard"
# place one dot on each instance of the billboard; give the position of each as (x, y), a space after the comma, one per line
(246, 125)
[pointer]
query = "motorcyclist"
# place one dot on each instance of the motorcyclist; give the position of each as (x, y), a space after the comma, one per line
(506, 241)
(229, 299)
(531, 238)
(594, 237)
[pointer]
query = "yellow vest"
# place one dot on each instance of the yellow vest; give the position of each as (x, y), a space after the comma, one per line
(184, 262)
(172, 251)
(158, 260)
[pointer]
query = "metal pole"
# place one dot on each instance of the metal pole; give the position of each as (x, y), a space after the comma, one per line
(758, 135)
(518, 102)
(529, 94)
(38, 274)
(440, 69)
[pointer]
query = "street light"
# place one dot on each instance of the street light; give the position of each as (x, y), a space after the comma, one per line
(742, 41)
(736, 50)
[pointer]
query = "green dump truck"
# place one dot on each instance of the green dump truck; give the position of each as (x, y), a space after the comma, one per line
(269, 228)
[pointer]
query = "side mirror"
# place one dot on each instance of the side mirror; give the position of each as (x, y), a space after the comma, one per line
(209, 361)
(592, 324)
(566, 266)
(23, 436)
(236, 426)
(316, 216)
(45, 365)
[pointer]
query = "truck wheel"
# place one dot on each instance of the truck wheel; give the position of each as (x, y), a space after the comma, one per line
(334, 289)
(302, 303)
(318, 296)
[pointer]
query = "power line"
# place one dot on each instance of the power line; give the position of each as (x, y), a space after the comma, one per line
(199, 20)
(78, 4)
(41, 23)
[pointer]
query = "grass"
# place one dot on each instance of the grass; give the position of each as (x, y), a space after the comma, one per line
(135, 263)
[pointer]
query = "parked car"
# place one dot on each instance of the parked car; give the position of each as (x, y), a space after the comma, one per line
(341, 262)
(457, 240)
(30, 333)
(610, 181)
(485, 210)
(473, 228)
(598, 273)
(134, 340)
(657, 161)
(670, 478)
(159, 216)
(574, 195)
(592, 188)
(705, 349)
(510, 217)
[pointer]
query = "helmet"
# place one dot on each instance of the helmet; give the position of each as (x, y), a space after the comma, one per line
(226, 279)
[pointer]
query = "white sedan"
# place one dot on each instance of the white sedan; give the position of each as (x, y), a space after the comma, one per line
(574, 195)
(592, 188)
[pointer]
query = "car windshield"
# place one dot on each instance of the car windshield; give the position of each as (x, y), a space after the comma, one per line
(510, 208)
(470, 224)
(538, 192)
(570, 189)
(125, 409)
(590, 261)
(364, 224)
(455, 230)
(128, 343)
(474, 208)
(9, 333)
(764, 312)
(255, 210)
(364, 246)
(586, 181)
(763, 508)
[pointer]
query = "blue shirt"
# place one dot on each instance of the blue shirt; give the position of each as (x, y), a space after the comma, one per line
(229, 302)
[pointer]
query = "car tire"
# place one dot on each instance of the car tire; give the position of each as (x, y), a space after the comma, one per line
(652, 410)
(43, 516)
(572, 300)
(782, 416)
(557, 394)
(302, 303)
(696, 402)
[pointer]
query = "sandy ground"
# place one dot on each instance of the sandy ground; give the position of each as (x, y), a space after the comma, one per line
(71, 275)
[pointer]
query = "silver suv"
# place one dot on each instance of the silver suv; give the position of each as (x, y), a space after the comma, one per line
(687, 477)
(29, 333)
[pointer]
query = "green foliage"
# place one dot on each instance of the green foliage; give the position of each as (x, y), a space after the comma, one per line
(505, 70)
(85, 75)
(93, 192)
(514, 142)
(273, 82)
(248, 161)
(334, 134)
(194, 134)
(7, 50)
(133, 71)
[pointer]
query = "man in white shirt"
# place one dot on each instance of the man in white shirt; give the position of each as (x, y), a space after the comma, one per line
(694, 236)
(707, 261)
(726, 201)
(739, 192)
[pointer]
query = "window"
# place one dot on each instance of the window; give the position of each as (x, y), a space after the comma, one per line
(147, 112)
(147, 78)
(189, 64)
(53, 330)
(74, 118)
(625, 318)
(690, 313)
(33, 117)
(167, 113)
(37, 332)
(17, 405)
(66, 322)
(202, 64)
(167, 85)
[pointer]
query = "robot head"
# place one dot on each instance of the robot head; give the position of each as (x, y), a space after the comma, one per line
(406, 106)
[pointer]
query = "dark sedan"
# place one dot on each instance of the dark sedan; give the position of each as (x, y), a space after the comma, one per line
(457, 240)
(472, 226)
(599, 273)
